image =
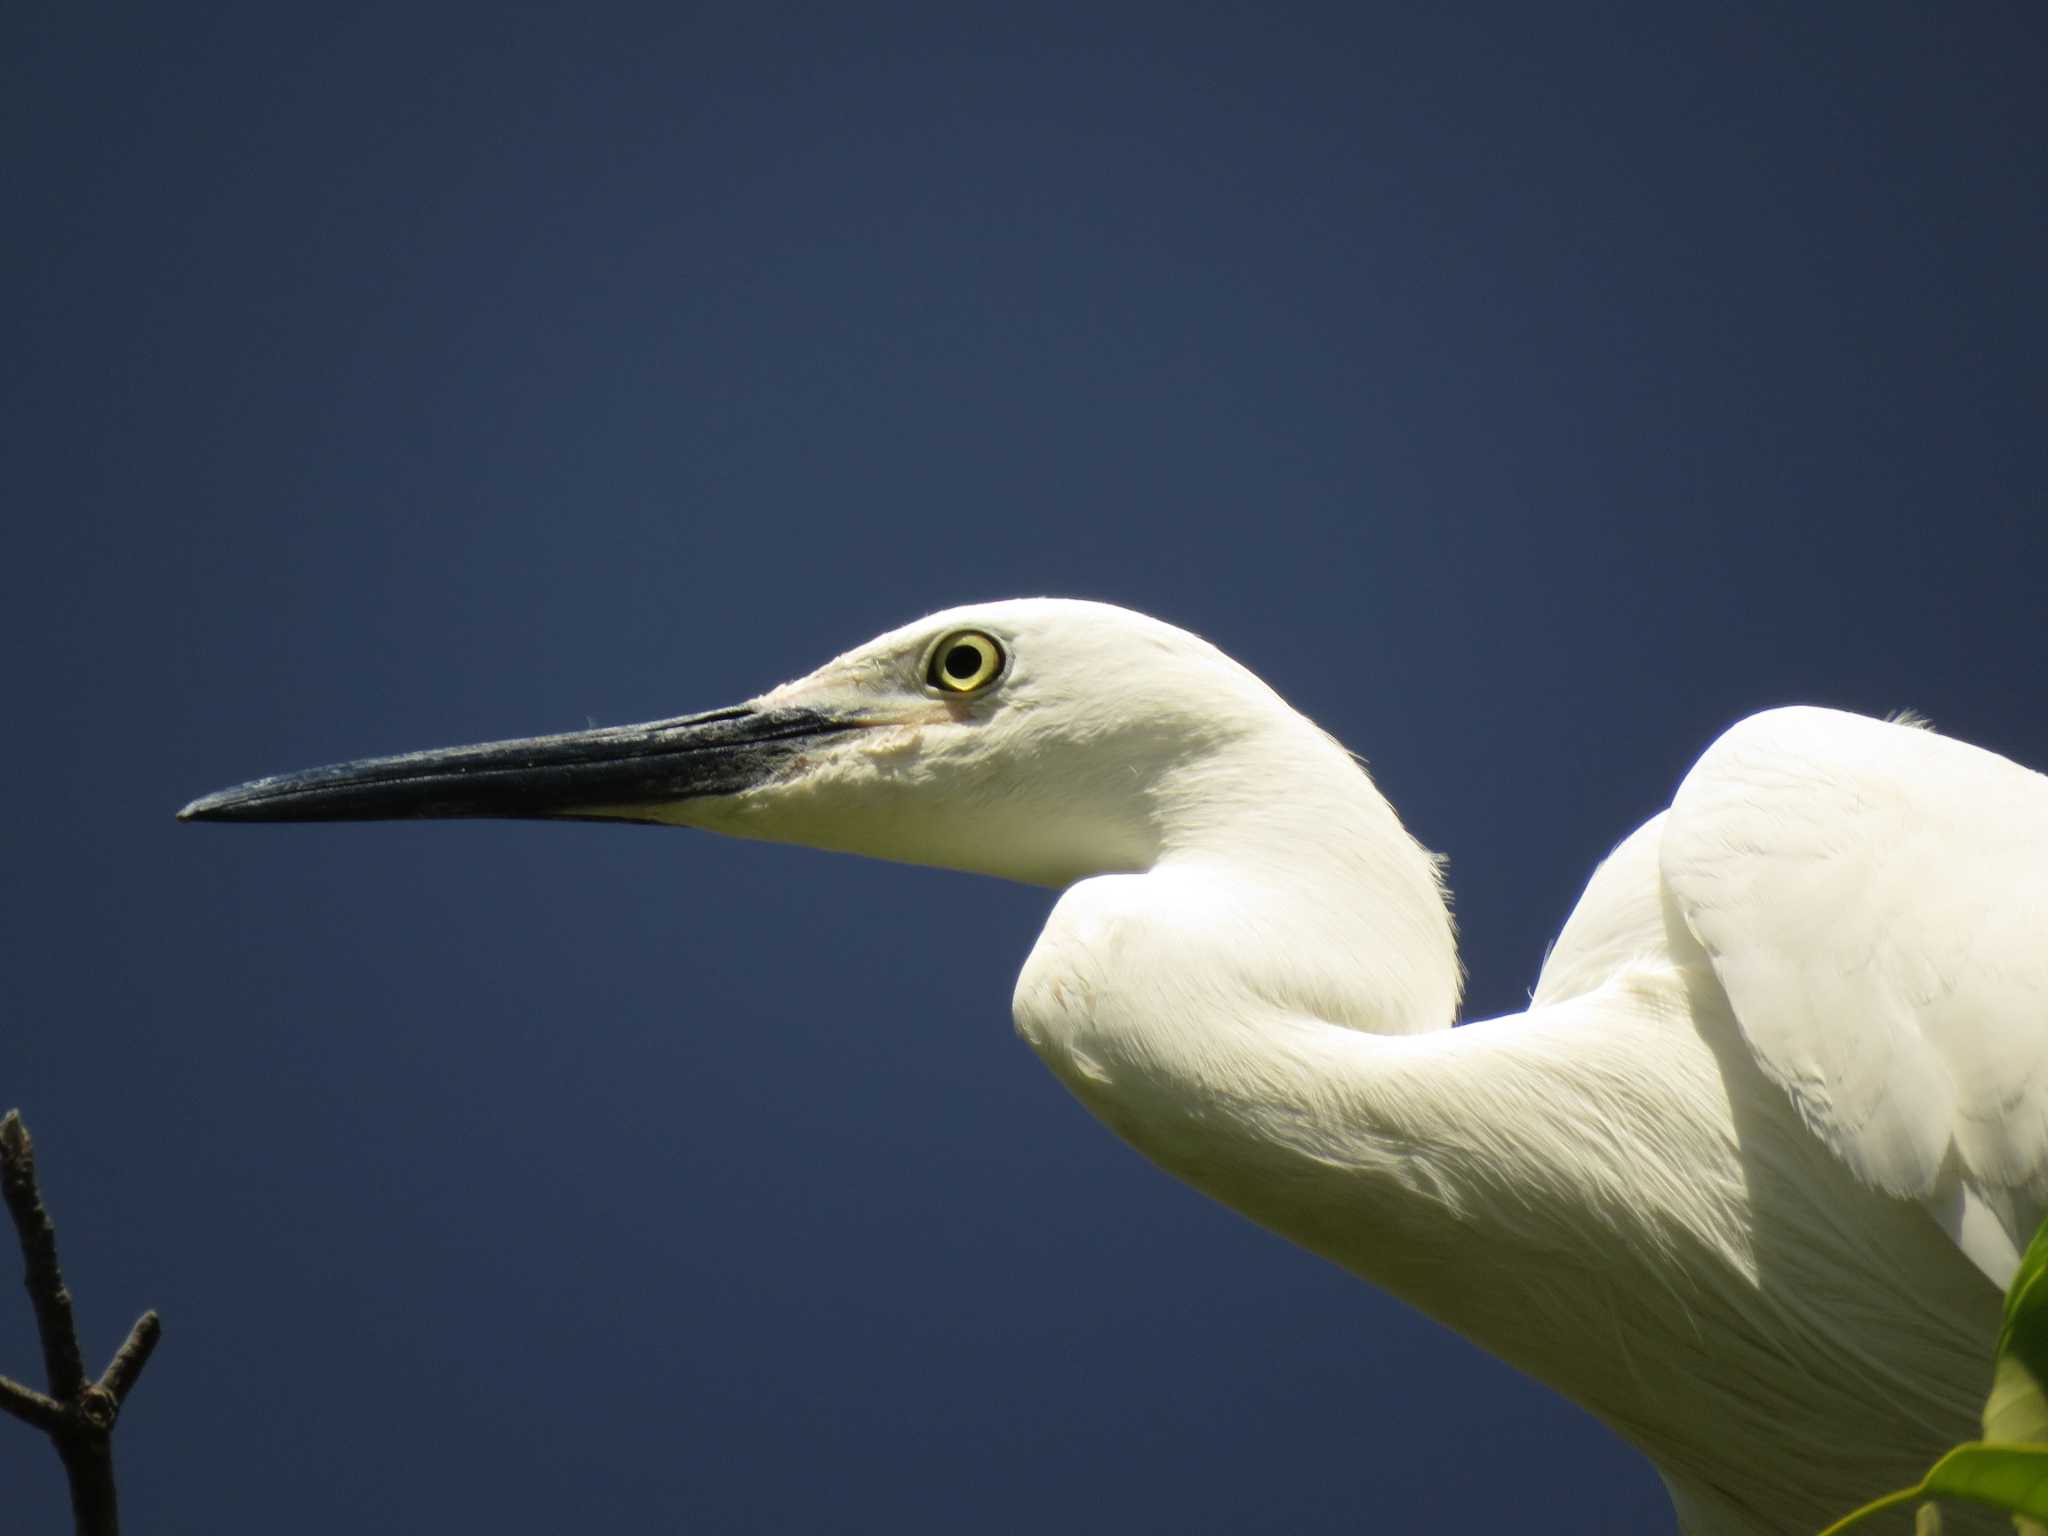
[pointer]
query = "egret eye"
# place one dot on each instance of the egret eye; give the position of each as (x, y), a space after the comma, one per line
(965, 663)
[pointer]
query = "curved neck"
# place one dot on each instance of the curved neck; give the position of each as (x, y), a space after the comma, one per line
(1320, 898)
(1573, 1189)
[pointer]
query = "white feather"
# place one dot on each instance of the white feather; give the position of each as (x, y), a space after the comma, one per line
(1875, 901)
(1743, 1181)
(1783, 1060)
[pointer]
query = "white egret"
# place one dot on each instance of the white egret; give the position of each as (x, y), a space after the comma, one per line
(1746, 1178)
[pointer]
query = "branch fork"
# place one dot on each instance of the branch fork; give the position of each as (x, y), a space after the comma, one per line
(78, 1415)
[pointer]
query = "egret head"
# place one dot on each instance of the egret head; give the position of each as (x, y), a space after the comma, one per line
(1039, 740)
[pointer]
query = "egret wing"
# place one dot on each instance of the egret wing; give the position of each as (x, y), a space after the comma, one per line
(1874, 899)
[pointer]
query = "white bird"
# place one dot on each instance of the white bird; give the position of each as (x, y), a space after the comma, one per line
(1745, 1180)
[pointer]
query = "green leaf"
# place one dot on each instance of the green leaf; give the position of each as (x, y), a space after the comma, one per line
(2016, 1412)
(2018, 1406)
(2011, 1477)
(2008, 1469)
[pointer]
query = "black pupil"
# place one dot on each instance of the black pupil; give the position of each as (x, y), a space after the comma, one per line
(962, 662)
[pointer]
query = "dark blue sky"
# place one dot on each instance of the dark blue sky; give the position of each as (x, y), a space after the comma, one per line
(1525, 391)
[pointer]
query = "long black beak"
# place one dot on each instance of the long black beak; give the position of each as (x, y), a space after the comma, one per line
(592, 775)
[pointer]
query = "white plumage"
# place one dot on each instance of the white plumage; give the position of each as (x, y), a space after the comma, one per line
(1746, 1178)
(1872, 899)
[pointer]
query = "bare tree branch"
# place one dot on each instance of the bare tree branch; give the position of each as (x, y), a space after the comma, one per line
(62, 1361)
(130, 1358)
(30, 1406)
(77, 1416)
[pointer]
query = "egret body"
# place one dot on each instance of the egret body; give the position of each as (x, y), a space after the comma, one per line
(1745, 1180)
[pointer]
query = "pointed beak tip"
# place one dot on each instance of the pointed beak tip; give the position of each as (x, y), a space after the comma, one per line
(218, 806)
